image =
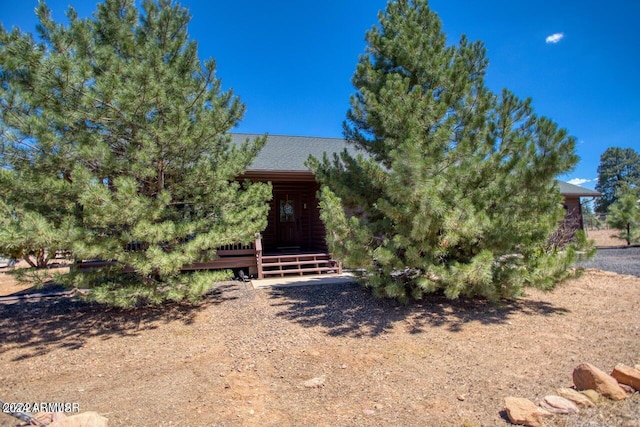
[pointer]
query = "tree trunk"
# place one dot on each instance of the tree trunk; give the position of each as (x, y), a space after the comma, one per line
(628, 234)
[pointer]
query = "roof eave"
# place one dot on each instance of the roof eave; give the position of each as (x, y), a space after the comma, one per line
(278, 175)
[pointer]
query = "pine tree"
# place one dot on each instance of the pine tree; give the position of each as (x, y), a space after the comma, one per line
(624, 214)
(125, 134)
(453, 189)
(618, 167)
(34, 220)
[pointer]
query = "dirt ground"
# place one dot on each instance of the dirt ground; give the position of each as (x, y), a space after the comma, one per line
(241, 358)
(9, 285)
(605, 238)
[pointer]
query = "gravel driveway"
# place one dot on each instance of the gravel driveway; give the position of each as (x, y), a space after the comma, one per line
(618, 260)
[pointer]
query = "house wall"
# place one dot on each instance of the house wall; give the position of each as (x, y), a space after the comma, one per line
(310, 228)
(573, 210)
(303, 187)
(572, 221)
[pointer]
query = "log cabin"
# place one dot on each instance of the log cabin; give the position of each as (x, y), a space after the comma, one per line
(294, 240)
(293, 243)
(573, 218)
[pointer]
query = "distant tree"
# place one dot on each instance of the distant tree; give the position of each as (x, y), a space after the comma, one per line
(34, 216)
(456, 190)
(115, 133)
(624, 214)
(589, 217)
(30, 235)
(618, 166)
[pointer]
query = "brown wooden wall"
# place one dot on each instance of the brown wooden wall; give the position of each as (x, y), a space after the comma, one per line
(573, 213)
(311, 228)
(571, 222)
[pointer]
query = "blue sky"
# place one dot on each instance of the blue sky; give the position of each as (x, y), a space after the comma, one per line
(291, 62)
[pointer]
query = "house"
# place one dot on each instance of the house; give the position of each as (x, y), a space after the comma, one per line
(294, 240)
(294, 219)
(573, 219)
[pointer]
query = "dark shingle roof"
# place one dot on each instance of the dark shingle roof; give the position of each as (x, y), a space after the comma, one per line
(567, 189)
(289, 153)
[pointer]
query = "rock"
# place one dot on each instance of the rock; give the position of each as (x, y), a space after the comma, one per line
(576, 397)
(315, 382)
(586, 376)
(58, 416)
(84, 419)
(593, 395)
(378, 406)
(627, 375)
(368, 411)
(636, 367)
(627, 388)
(559, 405)
(49, 417)
(523, 411)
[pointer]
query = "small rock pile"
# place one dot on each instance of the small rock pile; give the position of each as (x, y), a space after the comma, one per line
(590, 385)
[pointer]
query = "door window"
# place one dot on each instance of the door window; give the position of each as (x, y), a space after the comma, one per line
(287, 211)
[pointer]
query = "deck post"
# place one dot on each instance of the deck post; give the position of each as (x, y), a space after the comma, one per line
(258, 249)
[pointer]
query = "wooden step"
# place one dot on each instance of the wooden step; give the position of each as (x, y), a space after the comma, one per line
(294, 257)
(298, 264)
(300, 271)
(278, 264)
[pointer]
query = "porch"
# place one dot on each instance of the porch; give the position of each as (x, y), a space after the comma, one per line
(292, 244)
(272, 263)
(257, 262)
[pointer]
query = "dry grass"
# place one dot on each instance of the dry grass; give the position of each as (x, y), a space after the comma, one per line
(605, 238)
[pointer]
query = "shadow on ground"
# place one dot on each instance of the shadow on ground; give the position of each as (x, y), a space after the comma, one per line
(353, 311)
(45, 324)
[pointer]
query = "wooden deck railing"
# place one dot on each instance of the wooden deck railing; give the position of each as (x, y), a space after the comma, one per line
(258, 249)
(250, 257)
(236, 249)
(232, 256)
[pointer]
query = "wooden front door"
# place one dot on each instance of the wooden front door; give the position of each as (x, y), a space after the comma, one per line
(288, 219)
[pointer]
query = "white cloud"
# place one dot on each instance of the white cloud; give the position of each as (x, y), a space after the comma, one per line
(579, 181)
(554, 38)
